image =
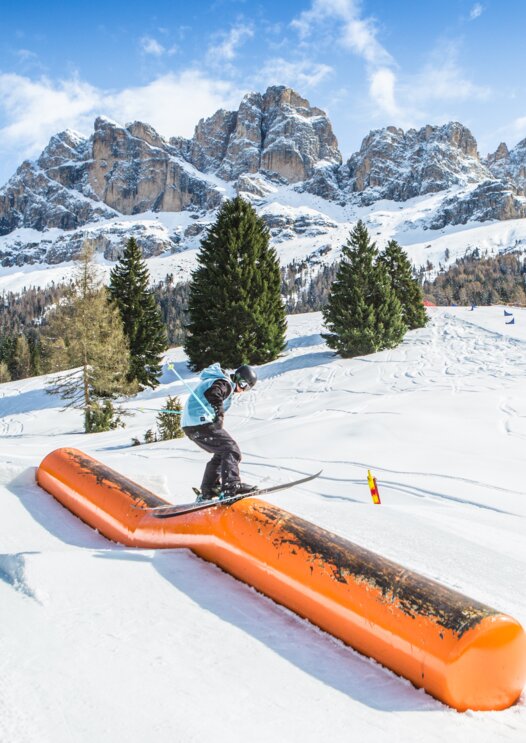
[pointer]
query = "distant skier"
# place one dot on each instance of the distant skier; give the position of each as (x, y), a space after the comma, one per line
(202, 422)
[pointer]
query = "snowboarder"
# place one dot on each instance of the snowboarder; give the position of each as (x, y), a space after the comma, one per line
(202, 422)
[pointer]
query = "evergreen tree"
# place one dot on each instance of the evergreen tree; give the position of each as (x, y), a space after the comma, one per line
(363, 313)
(236, 311)
(149, 437)
(84, 334)
(7, 348)
(4, 373)
(20, 365)
(33, 339)
(406, 288)
(169, 424)
(141, 318)
(102, 417)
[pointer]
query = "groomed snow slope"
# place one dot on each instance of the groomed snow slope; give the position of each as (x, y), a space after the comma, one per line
(102, 643)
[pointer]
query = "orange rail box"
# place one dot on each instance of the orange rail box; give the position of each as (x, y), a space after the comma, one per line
(464, 653)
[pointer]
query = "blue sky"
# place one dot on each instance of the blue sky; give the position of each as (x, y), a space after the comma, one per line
(368, 63)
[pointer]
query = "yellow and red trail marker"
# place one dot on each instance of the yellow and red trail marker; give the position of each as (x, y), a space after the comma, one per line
(373, 487)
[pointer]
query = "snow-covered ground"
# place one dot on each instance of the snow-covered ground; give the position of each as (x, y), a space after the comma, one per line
(103, 643)
(320, 242)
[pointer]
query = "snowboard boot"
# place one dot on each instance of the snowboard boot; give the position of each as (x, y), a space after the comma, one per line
(238, 488)
(210, 494)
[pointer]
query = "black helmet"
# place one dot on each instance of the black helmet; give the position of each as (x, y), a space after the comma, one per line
(245, 376)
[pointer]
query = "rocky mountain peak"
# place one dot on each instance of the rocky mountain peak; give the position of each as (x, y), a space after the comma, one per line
(64, 146)
(147, 133)
(454, 134)
(274, 139)
(501, 153)
(510, 165)
(277, 132)
(398, 165)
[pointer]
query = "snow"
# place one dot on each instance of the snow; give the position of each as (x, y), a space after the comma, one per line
(406, 223)
(104, 643)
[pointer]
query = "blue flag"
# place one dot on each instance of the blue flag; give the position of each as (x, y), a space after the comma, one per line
(510, 322)
(508, 314)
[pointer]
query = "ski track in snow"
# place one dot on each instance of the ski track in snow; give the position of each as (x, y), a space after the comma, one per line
(135, 640)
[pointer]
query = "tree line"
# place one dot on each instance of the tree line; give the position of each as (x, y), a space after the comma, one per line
(481, 279)
(105, 343)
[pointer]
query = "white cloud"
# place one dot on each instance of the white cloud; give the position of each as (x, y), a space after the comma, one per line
(358, 35)
(25, 54)
(355, 33)
(514, 132)
(151, 46)
(31, 111)
(476, 11)
(227, 49)
(301, 75)
(173, 104)
(382, 90)
(443, 79)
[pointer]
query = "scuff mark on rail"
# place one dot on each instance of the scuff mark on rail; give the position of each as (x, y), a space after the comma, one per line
(413, 594)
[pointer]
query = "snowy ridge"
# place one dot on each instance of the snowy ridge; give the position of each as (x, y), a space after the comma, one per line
(302, 225)
(277, 151)
(440, 421)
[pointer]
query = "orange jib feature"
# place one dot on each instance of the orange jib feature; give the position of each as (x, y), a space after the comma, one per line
(467, 654)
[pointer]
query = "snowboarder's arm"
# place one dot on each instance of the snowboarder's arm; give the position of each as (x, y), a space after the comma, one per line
(216, 394)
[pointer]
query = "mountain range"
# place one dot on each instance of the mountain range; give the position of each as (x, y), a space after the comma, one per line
(279, 152)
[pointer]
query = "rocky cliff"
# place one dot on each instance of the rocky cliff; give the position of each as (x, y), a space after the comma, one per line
(398, 165)
(277, 133)
(276, 142)
(510, 165)
(118, 170)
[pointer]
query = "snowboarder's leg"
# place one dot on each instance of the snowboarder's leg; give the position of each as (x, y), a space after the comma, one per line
(230, 459)
(211, 483)
(227, 456)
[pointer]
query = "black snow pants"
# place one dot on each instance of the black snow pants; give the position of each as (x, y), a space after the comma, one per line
(223, 469)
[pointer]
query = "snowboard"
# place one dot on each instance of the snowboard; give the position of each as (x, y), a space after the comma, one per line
(165, 512)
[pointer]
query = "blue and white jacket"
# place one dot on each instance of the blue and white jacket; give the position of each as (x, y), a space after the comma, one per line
(199, 409)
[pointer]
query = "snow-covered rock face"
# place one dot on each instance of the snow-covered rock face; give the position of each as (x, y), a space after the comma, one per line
(487, 201)
(126, 170)
(32, 198)
(398, 165)
(506, 164)
(276, 150)
(134, 170)
(278, 132)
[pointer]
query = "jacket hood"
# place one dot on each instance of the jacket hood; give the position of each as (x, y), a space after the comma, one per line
(214, 371)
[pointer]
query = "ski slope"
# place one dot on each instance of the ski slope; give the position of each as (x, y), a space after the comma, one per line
(102, 643)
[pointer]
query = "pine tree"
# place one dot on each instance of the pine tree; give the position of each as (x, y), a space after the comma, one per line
(236, 311)
(20, 365)
(363, 313)
(7, 348)
(33, 339)
(84, 335)
(4, 373)
(143, 326)
(406, 288)
(149, 437)
(169, 424)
